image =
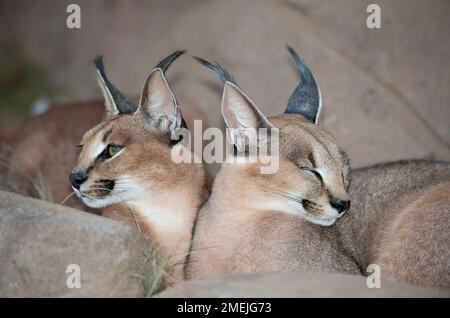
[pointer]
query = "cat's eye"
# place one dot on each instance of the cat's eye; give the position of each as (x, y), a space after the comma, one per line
(316, 174)
(110, 151)
(113, 149)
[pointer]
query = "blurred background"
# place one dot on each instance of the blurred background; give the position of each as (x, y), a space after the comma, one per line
(386, 91)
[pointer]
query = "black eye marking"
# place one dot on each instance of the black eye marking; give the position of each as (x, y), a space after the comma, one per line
(79, 146)
(309, 205)
(316, 174)
(107, 184)
(110, 151)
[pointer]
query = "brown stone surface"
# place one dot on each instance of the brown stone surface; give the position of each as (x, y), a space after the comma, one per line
(38, 240)
(291, 285)
(386, 91)
(386, 95)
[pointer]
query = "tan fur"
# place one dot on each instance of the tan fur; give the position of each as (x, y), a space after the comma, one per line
(126, 166)
(163, 198)
(139, 184)
(246, 226)
(400, 220)
(46, 144)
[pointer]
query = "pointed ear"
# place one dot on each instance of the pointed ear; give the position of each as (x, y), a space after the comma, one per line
(110, 105)
(115, 101)
(242, 116)
(158, 105)
(306, 99)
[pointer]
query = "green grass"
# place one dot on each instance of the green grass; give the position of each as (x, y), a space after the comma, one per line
(151, 272)
(155, 273)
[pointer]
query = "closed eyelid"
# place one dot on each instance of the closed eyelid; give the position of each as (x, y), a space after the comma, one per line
(308, 169)
(316, 173)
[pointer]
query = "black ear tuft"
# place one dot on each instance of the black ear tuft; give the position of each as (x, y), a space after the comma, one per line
(123, 104)
(167, 61)
(98, 61)
(217, 69)
(306, 99)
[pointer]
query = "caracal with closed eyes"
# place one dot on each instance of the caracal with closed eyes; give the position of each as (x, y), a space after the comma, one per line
(275, 222)
(399, 218)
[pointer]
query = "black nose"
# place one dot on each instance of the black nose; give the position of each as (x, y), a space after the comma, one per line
(340, 205)
(77, 179)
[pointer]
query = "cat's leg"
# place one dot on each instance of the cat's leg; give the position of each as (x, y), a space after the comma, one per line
(415, 249)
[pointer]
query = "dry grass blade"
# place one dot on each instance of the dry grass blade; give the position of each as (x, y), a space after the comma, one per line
(37, 182)
(67, 197)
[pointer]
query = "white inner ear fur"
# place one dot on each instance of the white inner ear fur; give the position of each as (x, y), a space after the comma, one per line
(240, 114)
(111, 108)
(319, 110)
(158, 104)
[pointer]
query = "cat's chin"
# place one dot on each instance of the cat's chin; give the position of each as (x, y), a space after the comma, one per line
(96, 203)
(327, 221)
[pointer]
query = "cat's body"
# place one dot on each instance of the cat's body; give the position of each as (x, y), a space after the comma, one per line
(245, 227)
(125, 167)
(264, 222)
(399, 217)
(232, 239)
(142, 185)
(400, 220)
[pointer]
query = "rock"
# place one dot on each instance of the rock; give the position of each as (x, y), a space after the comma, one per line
(38, 240)
(261, 285)
(385, 90)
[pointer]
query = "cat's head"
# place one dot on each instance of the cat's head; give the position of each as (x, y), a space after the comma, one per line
(128, 153)
(313, 176)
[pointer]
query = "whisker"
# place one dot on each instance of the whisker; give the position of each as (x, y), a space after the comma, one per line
(116, 193)
(286, 195)
(306, 204)
(67, 197)
(135, 219)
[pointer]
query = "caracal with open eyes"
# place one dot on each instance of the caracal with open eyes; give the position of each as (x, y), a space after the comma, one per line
(125, 166)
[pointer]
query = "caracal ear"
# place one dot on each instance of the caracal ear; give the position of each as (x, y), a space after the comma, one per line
(115, 102)
(306, 100)
(243, 117)
(158, 105)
